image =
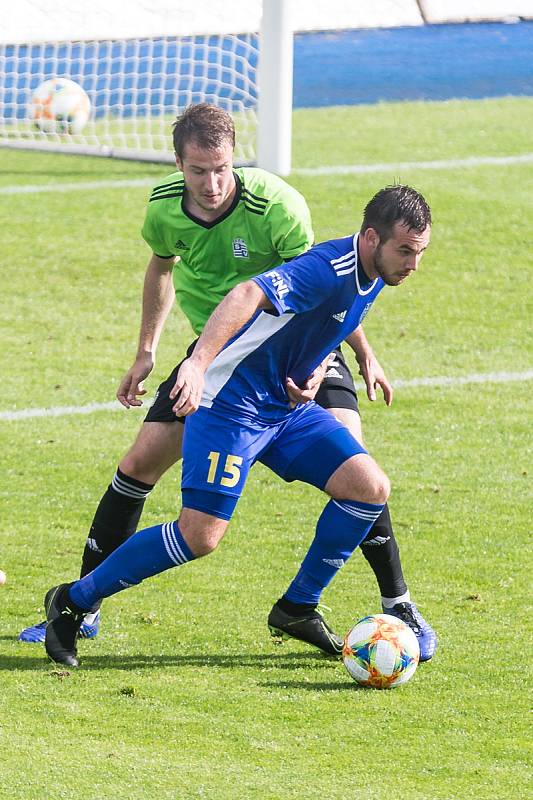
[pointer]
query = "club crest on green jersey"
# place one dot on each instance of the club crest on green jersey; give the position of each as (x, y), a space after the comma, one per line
(240, 248)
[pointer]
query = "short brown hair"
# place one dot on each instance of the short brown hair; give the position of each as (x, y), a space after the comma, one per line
(208, 126)
(396, 204)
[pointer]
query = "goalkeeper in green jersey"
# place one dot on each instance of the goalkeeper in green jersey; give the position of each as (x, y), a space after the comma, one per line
(210, 226)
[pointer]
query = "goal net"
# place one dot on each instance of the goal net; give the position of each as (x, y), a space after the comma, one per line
(138, 69)
(141, 62)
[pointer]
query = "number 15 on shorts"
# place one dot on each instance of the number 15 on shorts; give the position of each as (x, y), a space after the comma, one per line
(226, 474)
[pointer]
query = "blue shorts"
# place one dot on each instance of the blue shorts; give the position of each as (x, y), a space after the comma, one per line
(219, 451)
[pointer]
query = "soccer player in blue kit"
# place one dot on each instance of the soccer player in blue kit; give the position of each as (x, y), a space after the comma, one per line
(276, 327)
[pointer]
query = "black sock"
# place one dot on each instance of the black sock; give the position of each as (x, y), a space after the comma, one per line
(382, 553)
(116, 519)
(294, 608)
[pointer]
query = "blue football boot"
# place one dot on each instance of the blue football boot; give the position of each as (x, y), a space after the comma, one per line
(427, 638)
(35, 633)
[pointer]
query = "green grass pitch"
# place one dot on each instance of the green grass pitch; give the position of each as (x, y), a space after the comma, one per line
(183, 695)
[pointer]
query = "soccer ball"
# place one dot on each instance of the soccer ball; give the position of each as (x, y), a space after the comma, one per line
(381, 651)
(60, 106)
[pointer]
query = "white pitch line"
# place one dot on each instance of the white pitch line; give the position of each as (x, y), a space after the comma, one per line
(454, 163)
(463, 380)
(83, 186)
(444, 380)
(59, 411)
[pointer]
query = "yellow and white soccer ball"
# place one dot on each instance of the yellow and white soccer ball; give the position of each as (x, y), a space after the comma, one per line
(381, 652)
(60, 105)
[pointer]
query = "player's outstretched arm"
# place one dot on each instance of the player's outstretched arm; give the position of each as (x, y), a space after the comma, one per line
(235, 310)
(158, 296)
(369, 367)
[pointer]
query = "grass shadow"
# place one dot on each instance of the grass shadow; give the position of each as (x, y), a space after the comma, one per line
(323, 686)
(126, 663)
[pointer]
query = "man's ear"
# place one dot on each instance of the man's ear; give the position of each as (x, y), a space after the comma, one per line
(371, 237)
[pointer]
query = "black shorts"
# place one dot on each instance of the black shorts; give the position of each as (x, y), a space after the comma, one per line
(161, 408)
(337, 390)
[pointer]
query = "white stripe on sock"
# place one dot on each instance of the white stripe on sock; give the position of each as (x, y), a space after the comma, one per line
(175, 553)
(129, 490)
(389, 602)
(356, 511)
(177, 547)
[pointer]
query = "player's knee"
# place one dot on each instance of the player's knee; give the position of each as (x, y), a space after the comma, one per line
(203, 543)
(360, 479)
(379, 489)
(375, 485)
(375, 488)
(203, 547)
(202, 538)
(136, 464)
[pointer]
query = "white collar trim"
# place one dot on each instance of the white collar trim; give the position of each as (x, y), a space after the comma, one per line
(361, 292)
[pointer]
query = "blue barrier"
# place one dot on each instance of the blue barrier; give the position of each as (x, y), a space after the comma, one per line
(433, 62)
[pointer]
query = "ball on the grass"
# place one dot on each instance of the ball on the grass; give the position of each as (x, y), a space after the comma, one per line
(3, 577)
(381, 652)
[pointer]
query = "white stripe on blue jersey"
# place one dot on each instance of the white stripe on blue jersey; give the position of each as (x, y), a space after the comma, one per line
(349, 256)
(347, 267)
(346, 263)
(319, 298)
(221, 368)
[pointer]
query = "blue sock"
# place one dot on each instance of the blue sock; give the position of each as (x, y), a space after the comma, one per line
(342, 526)
(146, 553)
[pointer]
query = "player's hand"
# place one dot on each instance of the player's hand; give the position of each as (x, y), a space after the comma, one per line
(131, 386)
(187, 389)
(308, 391)
(374, 375)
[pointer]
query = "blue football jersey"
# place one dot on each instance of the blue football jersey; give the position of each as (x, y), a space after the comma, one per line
(319, 298)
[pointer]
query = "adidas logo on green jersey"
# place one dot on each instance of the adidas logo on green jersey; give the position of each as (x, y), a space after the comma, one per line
(180, 245)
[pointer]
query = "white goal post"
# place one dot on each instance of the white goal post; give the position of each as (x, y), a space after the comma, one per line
(141, 63)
